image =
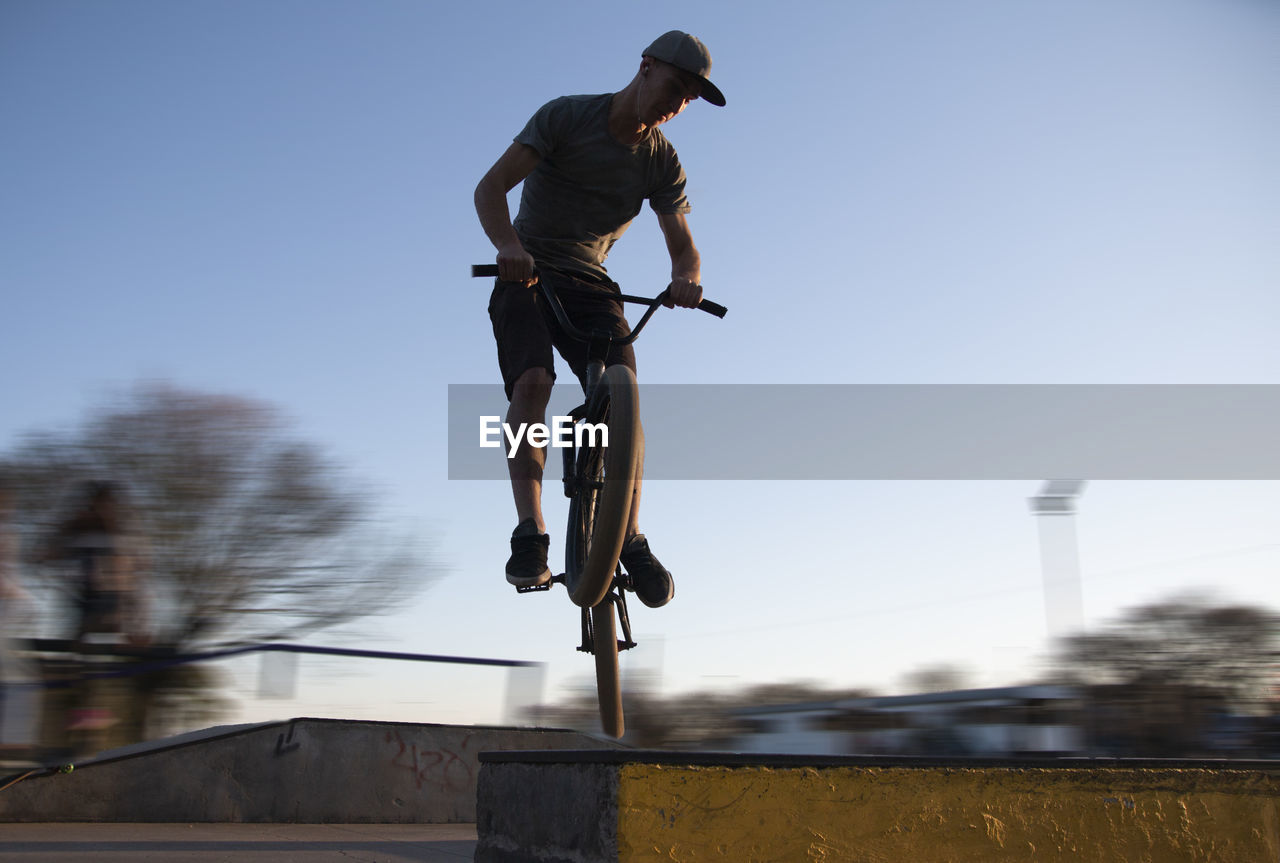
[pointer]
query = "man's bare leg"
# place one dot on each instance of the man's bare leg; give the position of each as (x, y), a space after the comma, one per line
(527, 566)
(633, 522)
(529, 397)
(652, 582)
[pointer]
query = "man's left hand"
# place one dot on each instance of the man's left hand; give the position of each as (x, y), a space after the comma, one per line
(683, 292)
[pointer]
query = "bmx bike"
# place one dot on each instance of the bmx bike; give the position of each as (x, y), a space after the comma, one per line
(599, 480)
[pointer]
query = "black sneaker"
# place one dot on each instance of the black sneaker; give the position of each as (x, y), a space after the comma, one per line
(527, 566)
(649, 579)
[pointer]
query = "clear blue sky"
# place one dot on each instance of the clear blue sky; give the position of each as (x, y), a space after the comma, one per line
(274, 200)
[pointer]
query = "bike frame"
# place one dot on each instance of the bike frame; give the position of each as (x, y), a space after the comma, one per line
(599, 344)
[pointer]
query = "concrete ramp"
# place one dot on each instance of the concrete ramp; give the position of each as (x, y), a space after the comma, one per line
(301, 771)
(654, 806)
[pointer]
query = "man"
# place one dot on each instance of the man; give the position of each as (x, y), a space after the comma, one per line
(100, 541)
(18, 701)
(587, 163)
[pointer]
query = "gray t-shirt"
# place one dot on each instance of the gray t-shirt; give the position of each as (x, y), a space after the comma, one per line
(588, 187)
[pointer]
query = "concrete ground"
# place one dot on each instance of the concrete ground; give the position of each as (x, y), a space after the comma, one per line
(237, 843)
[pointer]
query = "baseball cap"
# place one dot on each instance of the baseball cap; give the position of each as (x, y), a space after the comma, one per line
(689, 54)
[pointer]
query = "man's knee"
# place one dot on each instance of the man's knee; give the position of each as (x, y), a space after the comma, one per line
(532, 389)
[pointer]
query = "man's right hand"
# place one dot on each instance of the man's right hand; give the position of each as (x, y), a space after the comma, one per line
(516, 265)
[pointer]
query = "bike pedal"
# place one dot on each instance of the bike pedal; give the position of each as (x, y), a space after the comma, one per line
(546, 585)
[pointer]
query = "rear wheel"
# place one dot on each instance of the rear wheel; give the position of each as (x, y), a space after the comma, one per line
(608, 685)
(606, 477)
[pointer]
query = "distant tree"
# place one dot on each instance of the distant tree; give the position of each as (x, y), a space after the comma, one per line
(686, 720)
(1229, 651)
(791, 692)
(936, 678)
(252, 534)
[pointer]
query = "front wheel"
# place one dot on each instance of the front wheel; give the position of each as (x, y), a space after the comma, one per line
(605, 478)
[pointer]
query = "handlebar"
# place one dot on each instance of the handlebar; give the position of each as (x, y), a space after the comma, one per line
(480, 270)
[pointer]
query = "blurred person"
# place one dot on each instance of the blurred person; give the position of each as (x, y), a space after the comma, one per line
(109, 602)
(108, 557)
(17, 707)
(12, 596)
(588, 163)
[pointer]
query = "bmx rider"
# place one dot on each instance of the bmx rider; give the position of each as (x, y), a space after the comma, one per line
(588, 163)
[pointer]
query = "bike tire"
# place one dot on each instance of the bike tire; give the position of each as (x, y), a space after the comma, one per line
(598, 516)
(608, 683)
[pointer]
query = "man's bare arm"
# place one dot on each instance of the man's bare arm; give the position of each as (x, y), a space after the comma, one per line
(686, 263)
(514, 263)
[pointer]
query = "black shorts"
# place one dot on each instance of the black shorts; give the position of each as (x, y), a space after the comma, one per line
(526, 329)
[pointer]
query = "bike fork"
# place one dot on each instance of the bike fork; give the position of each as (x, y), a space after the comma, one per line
(617, 595)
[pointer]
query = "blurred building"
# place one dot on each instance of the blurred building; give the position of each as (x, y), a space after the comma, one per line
(1018, 721)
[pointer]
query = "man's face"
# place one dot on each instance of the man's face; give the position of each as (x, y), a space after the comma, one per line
(666, 92)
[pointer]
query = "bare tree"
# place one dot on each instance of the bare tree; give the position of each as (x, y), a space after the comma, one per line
(1229, 651)
(252, 535)
(936, 678)
(687, 720)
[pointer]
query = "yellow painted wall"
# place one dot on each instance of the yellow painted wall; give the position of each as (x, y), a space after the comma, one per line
(921, 815)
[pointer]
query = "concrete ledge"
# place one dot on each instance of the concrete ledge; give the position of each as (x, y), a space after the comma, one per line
(582, 807)
(310, 771)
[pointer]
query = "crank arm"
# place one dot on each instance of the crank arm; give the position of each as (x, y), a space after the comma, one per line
(619, 598)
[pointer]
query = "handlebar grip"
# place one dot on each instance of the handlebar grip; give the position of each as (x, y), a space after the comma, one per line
(491, 270)
(713, 308)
